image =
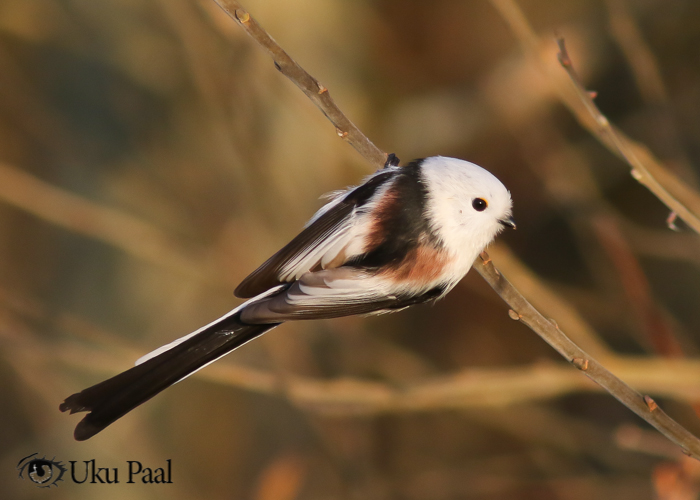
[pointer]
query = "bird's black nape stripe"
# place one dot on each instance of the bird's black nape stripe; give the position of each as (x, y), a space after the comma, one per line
(405, 225)
(117, 396)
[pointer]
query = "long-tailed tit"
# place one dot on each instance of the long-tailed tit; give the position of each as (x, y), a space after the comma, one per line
(407, 235)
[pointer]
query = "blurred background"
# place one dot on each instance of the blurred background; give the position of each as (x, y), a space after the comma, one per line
(151, 157)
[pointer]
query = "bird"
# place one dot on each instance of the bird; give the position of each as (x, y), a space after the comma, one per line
(405, 236)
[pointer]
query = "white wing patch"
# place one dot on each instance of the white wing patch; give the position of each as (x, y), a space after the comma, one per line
(347, 238)
(324, 294)
(344, 238)
(336, 287)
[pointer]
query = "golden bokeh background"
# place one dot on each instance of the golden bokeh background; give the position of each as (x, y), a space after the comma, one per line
(151, 157)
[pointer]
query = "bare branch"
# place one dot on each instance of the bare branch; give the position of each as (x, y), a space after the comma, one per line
(521, 309)
(643, 406)
(639, 170)
(572, 98)
(313, 89)
(551, 303)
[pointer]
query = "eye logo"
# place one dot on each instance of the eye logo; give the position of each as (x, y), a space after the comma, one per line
(44, 473)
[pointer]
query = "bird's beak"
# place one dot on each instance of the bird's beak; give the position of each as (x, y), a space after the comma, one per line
(508, 222)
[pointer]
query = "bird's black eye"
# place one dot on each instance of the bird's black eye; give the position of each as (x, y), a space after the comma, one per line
(479, 204)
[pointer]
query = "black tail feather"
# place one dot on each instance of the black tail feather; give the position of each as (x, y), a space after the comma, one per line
(117, 396)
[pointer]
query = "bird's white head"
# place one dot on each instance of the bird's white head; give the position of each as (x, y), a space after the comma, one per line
(467, 205)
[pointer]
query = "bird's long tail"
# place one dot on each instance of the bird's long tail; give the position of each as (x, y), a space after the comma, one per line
(115, 397)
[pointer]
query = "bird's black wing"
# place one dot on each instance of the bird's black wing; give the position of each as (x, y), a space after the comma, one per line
(324, 240)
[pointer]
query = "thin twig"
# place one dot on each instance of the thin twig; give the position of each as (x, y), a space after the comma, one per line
(639, 169)
(546, 299)
(313, 89)
(644, 406)
(571, 98)
(521, 309)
